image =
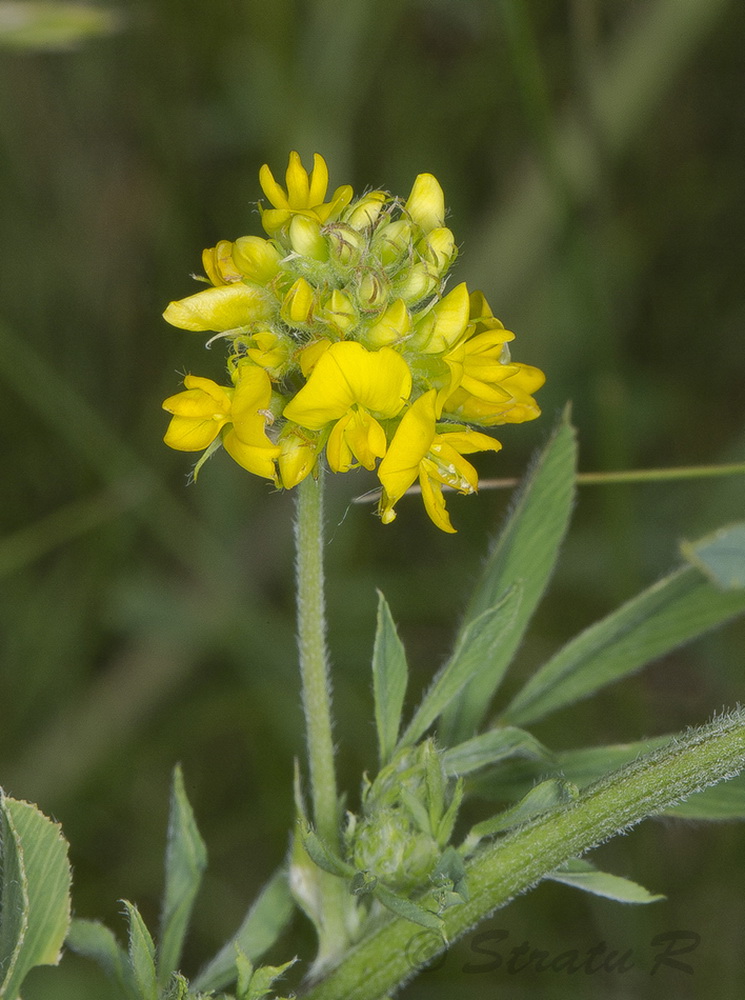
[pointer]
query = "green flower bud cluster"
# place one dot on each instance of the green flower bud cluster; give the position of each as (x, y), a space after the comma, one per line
(407, 819)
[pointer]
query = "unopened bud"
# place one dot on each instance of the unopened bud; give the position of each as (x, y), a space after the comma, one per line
(256, 258)
(305, 238)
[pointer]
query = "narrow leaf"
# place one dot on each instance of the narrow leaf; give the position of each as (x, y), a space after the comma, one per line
(390, 674)
(96, 942)
(322, 855)
(513, 778)
(525, 552)
(545, 796)
(34, 893)
(475, 650)
(492, 747)
(261, 927)
(260, 981)
(141, 954)
(582, 875)
(408, 909)
(186, 859)
(720, 557)
(675, 610)
(725, 801)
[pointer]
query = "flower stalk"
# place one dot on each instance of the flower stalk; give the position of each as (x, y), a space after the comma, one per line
(314, 668)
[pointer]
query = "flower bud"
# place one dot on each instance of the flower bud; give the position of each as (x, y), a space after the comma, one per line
(426, 203)
(298, 303)
(364, 212)
(372, 292)
(394, 241)
(345, 244)
(256, 258)
(305, 238)
(270, 350)
(444, 324)
(392, 327)
(218, 264)
(438, 250)
(298, 452)
(339, 312)
(417, 283)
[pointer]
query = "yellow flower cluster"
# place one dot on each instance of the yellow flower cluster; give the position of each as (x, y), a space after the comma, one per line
(343, 341)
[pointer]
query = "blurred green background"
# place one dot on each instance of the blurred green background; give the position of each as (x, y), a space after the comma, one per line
(592, 154)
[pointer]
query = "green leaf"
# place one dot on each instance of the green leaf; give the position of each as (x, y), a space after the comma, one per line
(725, 801)
(323, 856)
(390, 674)
(186, 860)
(34, 893)
(141, 954)
(720, 557)
(678, 608)
(407, 908)
(525, 553)
(255, 984)
(261, 927)
(96, 942)
(25, 24)
(546, 796)
(492, 747)
(450, 874)
(477, 645)
(583, 875)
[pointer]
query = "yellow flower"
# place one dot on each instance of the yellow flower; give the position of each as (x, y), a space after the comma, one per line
(226, 307)
(199, 414)
(246, 441)
(304, 195)
(485, 387)
(353, 388)
(418, 450)
(205, 409)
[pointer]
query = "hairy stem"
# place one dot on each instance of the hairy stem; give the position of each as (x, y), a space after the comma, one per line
(314, 669)
(385, 960)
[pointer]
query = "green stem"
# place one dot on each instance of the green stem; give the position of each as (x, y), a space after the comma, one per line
(314, 669)
(379, 964)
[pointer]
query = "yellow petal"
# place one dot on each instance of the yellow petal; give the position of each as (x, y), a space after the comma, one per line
(347, 373)
(468, 441)
(392, 327)
(251, 401)
(365, 211)
(298, 303)
(199, 414)
(444, 324)
(258, 459)
(426, 203)
(256, 259)
(218, 264)
(319, 181)
(411, 442)
(297, 456)
(274, 192)
(434, 503)
(310, 354)
(298, 186)
(202, 396)
(356, 439)
(227, 307)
